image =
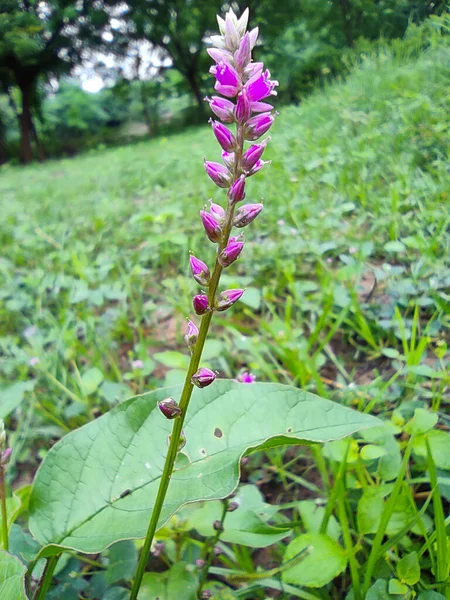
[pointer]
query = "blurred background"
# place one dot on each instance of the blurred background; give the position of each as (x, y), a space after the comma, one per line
(75, 75)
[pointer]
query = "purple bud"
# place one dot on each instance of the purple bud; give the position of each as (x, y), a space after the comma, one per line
(236, 193)
(259, 107)
(227, 78)
(242, 56)
(246, 214)
(260, 86)
(258, 125)
(212, 226)
(230, 253)
(200, 563)
(243, 109)
(220, 55)
(5, 456)
(205, 595)
(228, 159)
(169, 408)
(258, 166)
(232, 506)
(227, 299)
(191, 335)
(200, 271)
(216, 210)
(224, 109)
(201, 304)
(218, 173)
(203, 377)
(247, 377)
(253, 69)
(158, 548)
(253, 35)
(217, 525)
(253, 154)
(224, 136)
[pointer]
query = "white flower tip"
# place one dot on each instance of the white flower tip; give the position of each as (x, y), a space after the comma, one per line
(242, 22)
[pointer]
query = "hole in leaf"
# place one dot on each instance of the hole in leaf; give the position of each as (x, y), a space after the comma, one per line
(202, 451)
(289, 429)
(218, 432)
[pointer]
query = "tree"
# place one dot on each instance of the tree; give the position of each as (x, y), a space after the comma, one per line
(39, 39)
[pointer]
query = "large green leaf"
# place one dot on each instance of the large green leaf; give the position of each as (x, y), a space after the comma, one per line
(98, 484)
(12, 572)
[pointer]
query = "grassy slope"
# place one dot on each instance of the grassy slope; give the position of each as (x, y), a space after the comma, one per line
(95, 248)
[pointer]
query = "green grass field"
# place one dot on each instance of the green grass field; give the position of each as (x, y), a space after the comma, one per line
(346, 269)
(347, 277)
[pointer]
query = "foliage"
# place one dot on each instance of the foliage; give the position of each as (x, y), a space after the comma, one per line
(347, 298)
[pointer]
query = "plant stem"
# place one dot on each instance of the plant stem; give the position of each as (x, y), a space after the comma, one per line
(349, 547)
(5, 537)
(46, 580)
(188, 386)
(209, 549)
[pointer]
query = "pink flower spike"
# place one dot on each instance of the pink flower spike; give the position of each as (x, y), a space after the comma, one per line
(212, 226)
(259, 107)
(224, 136)
(253, 69)
(203, 377)
(260, 86)
(242, 56)
(137, 364)
(216, 210)
(243, 110)
(246, 214)
(259, 164)
(191, 335)
(230, 253)
(227, 299)
(224, 109)
(247, 377)
(218, 173)
(253, 35)
(253, 154)
(5, 456)
(201, 304)
(227, 78)
(236, 192)
(200, 271)
(258, 125)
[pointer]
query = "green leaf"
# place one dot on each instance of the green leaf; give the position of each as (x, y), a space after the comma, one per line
(179, 582)
(121, 561)
(423, 421)
(173, 359)
(379, 591)
(430, 595)
(372, 452)
(12, 573)
(440, 447)
(114, 392)
(22, 545)
(12, 396)
(324, 561)
(246, 525)
(371, 506)
(91, 380)
(408, 569)
(397, 588)
(312, 517)
(98, 484)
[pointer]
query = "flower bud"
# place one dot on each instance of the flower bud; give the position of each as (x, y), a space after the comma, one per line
(191, 335)
(227, 299)
(181, 442)
(243, 110)
(201, 304)
(236, 193)
(212, 226)
(228, 158)
(200, 270)
(220, 55)
(217, 525)
(203, 377)
(259, 164)
(218, 173)
(258, 125)
(169, 408)
(224, 136)
(230, 253)
(227, 79)
(200, 563)
(232, 37)
(246, 214)
(253, 154)
(5, 456)
(232, 506)
(222, 108)
(242, 56)
(216, 210)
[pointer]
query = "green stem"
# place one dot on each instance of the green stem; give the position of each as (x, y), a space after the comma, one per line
(349, 547)
(188, 386)
(5, 537)
(209, 549)
(385, 518)
(46, 580)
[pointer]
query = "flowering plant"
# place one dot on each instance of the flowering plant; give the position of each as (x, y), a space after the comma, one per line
(114, 478)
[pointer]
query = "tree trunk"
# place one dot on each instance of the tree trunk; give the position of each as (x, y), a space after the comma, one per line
(347, 21)
(145, 110)
(39, 148)
(191, 76)
(26, 152)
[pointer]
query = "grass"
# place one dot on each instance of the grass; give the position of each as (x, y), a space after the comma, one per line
(346, 269)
